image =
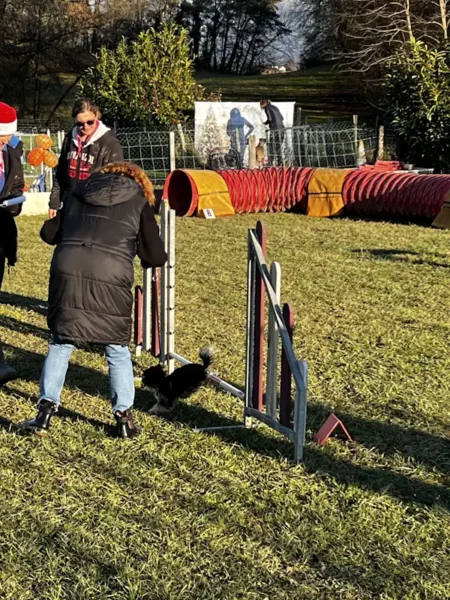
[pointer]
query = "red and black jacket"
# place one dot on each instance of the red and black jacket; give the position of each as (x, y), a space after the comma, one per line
(80, 160)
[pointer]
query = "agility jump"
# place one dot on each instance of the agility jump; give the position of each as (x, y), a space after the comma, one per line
(155, 332)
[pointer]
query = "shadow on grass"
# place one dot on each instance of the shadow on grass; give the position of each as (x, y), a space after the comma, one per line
(63, 412)
(387, 438)
(344, 471)
(24, 327)
(26, 302)
(402, 256)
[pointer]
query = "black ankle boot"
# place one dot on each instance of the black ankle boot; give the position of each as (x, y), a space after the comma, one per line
(126, 429)
(41, 423)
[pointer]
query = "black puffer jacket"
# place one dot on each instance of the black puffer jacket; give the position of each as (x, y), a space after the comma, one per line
(14, 184)
(107, 222)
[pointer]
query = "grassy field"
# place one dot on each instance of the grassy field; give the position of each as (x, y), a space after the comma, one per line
(322, 92)
(175, 514)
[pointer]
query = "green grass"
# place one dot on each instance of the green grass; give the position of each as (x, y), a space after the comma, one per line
(175, 514)
(322, 92)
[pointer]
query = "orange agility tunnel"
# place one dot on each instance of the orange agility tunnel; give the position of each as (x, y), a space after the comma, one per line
(190, 192)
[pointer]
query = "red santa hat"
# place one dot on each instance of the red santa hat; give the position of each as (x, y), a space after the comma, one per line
(8, 119)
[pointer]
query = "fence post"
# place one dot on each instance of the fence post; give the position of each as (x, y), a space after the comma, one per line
(355, 131)
(182, 137)
(380, 151)
(172, 155)
(272, 353)
(49, 170)
(258, 344)
(252, 151)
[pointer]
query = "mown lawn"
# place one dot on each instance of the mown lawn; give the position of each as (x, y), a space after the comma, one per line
(179, 515)
(321, 92)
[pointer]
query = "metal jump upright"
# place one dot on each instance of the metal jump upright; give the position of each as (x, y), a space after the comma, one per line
(155, 332)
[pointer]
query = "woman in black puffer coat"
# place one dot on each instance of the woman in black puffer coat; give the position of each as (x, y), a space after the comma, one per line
(108, 220)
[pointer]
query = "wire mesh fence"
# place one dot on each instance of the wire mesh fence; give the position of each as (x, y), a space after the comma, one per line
(332, 145)
(319, 146)
(35, 126)
(37, 179)
(158, 151)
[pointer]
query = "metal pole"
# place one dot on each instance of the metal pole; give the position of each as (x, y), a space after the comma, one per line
(163, 313)
(251, 271)
(171, 292)
(272, 354)
(138, 320)
(228, 387)
(258, 348)
(300, 410)
(286, 374)
(155, 330)
(147, 309)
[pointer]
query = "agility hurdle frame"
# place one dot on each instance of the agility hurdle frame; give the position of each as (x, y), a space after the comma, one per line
(155, 303)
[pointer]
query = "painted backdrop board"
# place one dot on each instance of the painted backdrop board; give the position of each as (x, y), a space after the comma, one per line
(225, 126)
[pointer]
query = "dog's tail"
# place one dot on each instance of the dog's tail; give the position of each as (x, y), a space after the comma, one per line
(207, 356)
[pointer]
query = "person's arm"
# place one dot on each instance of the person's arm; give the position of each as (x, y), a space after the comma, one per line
(114, 152)
(50, 230)
(270, 116)
(61, 171)
(250, 129)
(19, 179)
(150, 248)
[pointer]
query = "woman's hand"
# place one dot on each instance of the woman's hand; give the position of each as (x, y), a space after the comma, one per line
(52, 213)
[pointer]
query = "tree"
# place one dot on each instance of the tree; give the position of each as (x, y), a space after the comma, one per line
(232, 36)
(315, 29)
(417, 97)
(374, 31)
(38, 43)
(149, 79)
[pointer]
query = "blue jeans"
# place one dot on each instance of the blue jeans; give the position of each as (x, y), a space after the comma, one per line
(121, 378)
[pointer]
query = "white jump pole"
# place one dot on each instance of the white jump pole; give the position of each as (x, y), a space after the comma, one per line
(147, 325)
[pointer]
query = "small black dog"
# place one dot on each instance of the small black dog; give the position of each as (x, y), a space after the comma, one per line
(183, 382)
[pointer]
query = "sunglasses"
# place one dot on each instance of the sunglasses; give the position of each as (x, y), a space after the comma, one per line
(81, 124)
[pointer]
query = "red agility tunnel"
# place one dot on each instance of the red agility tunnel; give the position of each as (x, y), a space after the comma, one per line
(250, 190)
(395, 195)
(374, 192)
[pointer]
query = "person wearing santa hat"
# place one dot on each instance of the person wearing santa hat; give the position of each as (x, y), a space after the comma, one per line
(11, 186)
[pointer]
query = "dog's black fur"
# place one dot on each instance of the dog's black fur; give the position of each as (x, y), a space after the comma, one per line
(183, 382)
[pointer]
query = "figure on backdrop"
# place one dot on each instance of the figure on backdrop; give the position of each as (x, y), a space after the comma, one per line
(108, 220)
(236, 132)
(88, 147)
